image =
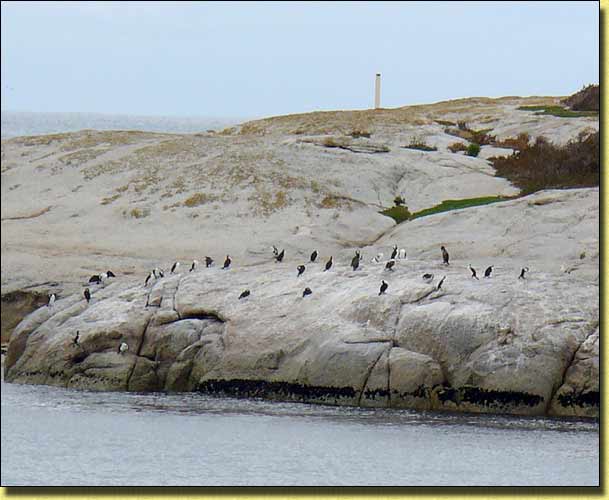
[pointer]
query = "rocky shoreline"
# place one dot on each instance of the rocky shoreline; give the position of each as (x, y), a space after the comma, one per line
(491, 345)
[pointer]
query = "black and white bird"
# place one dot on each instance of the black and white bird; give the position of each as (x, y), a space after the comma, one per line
(175, 267)
(301, 269)
(440, 283)
(75, 339)
(123, 347)
(227, 262)
(522, 271)
(95, 279)
(275, 251)
(279, 256)
(427, 277)
(389, 265)
(444, 255)
(384, 286)
(355, 260)
(110, 274)
(158, 273)
(394, 254)
(376, 259)
(87, 295)
(195, 263)
(314, 256)
(51, 300)
(328, 264)
(148, 279)
(244, 293)
(488, 271)
(473, 271)
(307, 291)
(208, 261)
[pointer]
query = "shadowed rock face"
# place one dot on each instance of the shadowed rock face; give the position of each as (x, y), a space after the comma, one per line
(500, 344)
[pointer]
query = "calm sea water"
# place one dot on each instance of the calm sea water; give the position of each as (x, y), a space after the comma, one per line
(53, 436)
(16, 123)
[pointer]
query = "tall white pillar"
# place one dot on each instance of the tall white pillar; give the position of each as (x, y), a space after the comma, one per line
(377, 92)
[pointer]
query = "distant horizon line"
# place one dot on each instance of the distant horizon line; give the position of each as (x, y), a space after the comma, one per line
(270, 115)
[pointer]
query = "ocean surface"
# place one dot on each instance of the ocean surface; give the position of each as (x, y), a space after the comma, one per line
(53, 436)
(60, 437)
(19, 123)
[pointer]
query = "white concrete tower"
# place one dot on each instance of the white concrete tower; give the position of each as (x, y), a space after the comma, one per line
(377, 92)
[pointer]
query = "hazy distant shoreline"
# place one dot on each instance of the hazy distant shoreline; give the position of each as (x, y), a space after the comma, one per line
(24, 123)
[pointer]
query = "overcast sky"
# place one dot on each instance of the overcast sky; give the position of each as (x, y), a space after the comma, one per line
(254, 59)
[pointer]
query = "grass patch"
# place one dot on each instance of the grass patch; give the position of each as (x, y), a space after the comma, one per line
(198, 199)
(448, 205)
(137, 213)
(110, 199)
(398, 214)
(457, 146)
(420, 144)
(559, 111)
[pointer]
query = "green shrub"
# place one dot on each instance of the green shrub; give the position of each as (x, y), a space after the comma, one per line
(557, 111)
(473, 149)
(397, 213)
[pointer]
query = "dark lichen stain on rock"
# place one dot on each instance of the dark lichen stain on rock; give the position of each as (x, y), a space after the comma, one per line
(264, 389)
(484, 397)
(591, 398)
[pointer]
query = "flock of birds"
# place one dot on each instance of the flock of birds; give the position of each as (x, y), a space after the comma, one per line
(158, 273)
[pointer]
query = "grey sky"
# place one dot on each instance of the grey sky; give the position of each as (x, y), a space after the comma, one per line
(250, 59)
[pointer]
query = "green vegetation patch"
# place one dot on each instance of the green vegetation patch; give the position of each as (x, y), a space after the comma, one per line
(398, 214)
(420, 147)
(557, 111)
(448, 205)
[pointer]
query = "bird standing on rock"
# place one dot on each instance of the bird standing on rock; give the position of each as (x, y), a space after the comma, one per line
(428, 277)
(227, 262)
(87, 295)
(123, 347)
(194, 265)
(329, 264)
(440, 284)
(487, 273)
(444, 255)
(524, 270)
(51, 300)
(279, 257)
(301, 269)
(174, 268)
(384, 286)
(208, 261)
(244, 293)
(314, 256)
(394, 254)
(473, 272)
(75, 340)
(355, 260)
(389, 265)
(307, 291)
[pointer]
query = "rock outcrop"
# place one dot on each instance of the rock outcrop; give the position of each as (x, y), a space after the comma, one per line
(132, 201)
(499, 344)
